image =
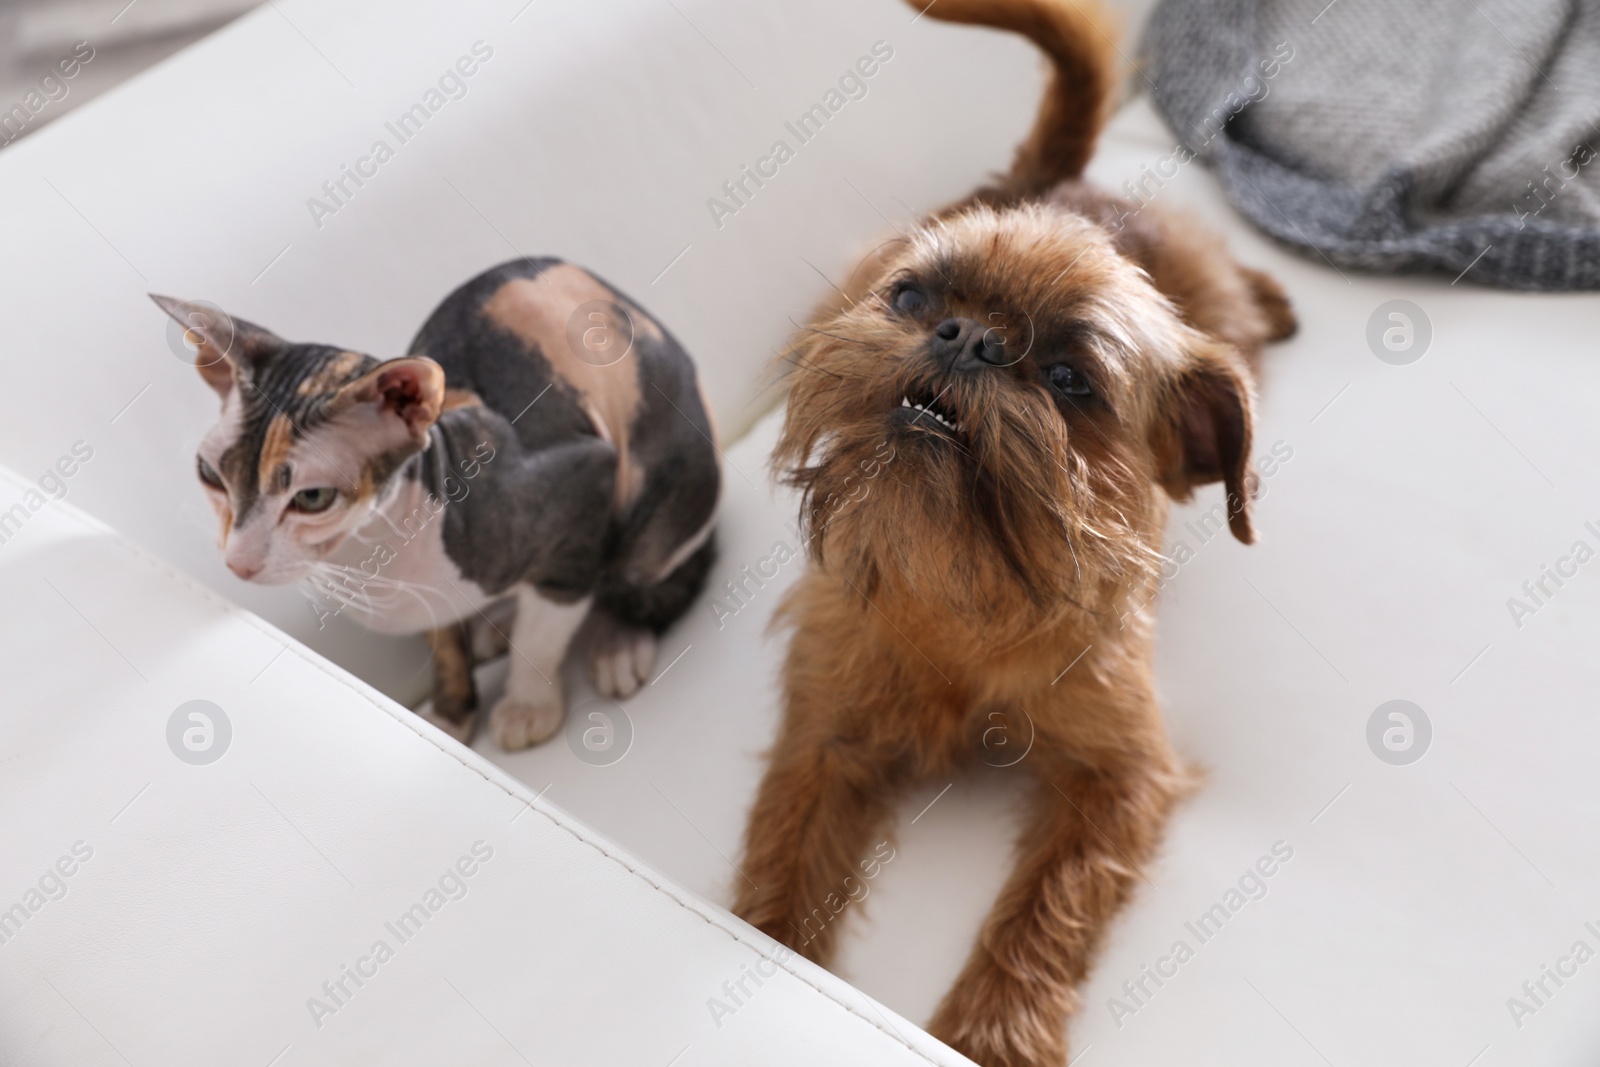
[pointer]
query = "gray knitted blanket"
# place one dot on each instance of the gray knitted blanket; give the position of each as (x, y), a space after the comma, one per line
(1390, 135)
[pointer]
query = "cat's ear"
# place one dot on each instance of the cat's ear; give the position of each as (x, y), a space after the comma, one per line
(223, 346)
(407, 392)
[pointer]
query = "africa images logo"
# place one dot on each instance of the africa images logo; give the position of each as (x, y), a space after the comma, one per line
(1399, 732)
(199, 732)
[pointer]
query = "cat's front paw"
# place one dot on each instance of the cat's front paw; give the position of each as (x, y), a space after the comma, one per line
(460, 728)
(516, 724)
(620, 659)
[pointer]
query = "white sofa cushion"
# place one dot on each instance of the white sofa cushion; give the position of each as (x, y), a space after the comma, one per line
(183, 899)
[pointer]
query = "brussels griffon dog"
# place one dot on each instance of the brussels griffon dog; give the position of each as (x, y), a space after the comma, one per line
(1049, 365)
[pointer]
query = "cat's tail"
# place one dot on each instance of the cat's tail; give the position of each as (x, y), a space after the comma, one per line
(1079, 37)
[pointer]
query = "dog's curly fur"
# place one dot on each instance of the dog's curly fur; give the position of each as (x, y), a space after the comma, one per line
(1047, 378)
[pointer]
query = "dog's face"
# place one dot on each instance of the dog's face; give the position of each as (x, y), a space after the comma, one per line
(1039, 399)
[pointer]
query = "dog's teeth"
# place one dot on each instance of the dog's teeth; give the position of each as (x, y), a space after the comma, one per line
(928, 409)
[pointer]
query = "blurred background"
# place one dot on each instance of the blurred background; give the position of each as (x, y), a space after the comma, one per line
(126, 35)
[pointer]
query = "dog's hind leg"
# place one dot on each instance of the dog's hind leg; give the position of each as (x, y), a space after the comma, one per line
(1090, 833)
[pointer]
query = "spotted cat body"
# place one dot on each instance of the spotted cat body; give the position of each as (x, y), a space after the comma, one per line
(545, 440)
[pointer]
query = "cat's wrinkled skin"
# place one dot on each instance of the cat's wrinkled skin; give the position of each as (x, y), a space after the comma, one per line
(545, 443)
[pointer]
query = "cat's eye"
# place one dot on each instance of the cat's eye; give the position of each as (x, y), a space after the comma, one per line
(909, 299)
(208, 474)
(1068, 381)
(314, 500)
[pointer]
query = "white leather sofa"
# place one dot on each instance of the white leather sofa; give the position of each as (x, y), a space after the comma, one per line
(207, 903)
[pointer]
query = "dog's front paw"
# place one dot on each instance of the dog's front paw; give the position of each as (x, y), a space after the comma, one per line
(620, 659)
(516, 724)
(996, 1020)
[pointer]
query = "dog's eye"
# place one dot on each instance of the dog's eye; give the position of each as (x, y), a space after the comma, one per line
(910, 299)
(208, 474)
(1068, 381)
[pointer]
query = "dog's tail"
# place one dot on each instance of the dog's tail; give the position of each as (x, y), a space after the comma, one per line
(1079, 38)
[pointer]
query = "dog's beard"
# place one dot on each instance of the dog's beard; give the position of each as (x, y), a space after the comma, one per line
(976, 501)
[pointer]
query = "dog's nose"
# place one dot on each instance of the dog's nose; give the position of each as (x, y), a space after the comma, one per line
(963, 344)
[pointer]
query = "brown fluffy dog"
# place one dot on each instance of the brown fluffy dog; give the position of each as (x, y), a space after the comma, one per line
(1047, 377)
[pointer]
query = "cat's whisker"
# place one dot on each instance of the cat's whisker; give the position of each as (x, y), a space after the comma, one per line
(334, 582)
(427, 605)
(372, 593)
(325, 599)
(325, 576)
(343, 596)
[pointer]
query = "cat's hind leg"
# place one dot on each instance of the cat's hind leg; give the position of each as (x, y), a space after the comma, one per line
(533, 706)
(455, 698)
(629, 618)
(621, 656)
(491, 629)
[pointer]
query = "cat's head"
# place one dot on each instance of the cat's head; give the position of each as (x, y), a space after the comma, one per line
(310, 437)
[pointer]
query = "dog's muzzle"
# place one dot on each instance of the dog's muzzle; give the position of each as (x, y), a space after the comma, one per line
(965, 345)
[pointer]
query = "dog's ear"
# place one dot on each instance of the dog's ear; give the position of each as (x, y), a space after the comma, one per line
(1203, 431)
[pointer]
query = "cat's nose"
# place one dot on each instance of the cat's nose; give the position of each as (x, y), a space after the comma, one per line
(246, 571)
